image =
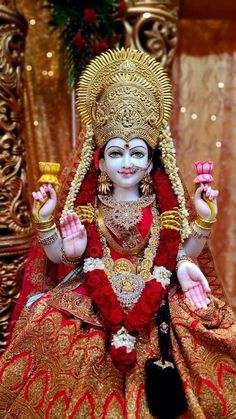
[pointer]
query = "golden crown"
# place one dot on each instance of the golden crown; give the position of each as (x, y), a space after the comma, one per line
(126, 94)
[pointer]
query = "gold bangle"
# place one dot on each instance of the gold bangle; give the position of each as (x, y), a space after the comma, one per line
(69, 260)
(182, 259)
(44, 230)
(204, 224)
(42, 222)
(47, 225)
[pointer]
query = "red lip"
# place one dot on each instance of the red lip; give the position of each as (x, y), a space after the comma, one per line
(126, 173)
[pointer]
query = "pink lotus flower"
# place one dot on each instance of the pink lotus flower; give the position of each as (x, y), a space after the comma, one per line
(204, 171)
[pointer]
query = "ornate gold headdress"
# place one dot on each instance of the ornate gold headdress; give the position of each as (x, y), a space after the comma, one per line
(124, 93)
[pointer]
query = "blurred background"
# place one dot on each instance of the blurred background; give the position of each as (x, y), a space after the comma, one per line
(194, 40)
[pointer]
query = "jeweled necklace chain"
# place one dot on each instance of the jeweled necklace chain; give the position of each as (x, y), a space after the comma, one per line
(126, 213)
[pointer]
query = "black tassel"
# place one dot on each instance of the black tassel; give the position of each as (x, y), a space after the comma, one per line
(164, 389)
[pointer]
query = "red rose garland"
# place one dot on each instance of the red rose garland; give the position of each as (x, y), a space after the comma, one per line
(139, 317)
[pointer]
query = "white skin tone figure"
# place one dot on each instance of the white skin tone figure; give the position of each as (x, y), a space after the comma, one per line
(126, 165)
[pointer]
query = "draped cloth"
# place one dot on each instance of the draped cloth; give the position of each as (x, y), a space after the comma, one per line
(57, 363)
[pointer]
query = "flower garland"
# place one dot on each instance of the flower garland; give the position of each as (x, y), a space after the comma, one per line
(121, 323)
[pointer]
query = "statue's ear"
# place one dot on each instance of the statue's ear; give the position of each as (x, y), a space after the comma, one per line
(102, 165)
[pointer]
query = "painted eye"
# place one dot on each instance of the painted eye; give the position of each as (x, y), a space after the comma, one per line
(115, 154)
(138, 155)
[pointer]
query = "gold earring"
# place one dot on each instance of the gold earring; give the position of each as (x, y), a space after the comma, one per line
(104, 184)
(146, 185)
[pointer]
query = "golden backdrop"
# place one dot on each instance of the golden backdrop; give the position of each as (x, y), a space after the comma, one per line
(203, 124)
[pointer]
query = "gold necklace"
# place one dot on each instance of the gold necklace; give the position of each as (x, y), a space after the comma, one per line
(125, 281)
(118, 248)
(126, 213)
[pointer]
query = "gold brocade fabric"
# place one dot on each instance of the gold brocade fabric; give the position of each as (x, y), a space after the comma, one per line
(58, 366)
(204, 125)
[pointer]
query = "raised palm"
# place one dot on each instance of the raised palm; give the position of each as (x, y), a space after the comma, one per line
(74, 235)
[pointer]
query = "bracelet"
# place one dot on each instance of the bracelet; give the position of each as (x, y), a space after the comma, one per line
(69, 260)
(48, 240)
(197, 234)
(182, 259)
(204, 224)
(47, 225)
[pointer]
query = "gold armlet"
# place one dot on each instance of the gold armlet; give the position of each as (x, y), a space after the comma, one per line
(69, 260)
(171, 219)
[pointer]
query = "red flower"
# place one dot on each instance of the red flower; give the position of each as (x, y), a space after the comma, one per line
(79, 41)
(100, 46)
(121, 8)
(90, 16)
(94, 279)
(95, 250)
(123, 360)
(116, 315)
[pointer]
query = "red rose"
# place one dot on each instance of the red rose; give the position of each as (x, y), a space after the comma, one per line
(115, 316)
(121, 8)
(100, 46)
(94, 249)
(79, 41)
(123, 360)
(90, 16)
(93, 280)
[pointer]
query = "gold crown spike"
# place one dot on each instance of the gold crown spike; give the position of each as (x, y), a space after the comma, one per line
(124, 93)
(49, 172)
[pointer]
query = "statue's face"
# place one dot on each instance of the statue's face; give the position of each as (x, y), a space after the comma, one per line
(125, 163)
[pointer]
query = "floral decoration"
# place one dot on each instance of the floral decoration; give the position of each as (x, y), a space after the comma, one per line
(204, 171)
(86, 29)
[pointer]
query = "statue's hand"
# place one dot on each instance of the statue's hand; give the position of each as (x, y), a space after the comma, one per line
(194, 284)
(201, 206)
(46, 197)
(74, 236)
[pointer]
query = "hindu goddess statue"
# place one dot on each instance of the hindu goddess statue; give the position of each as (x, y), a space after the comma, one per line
(122, 315)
